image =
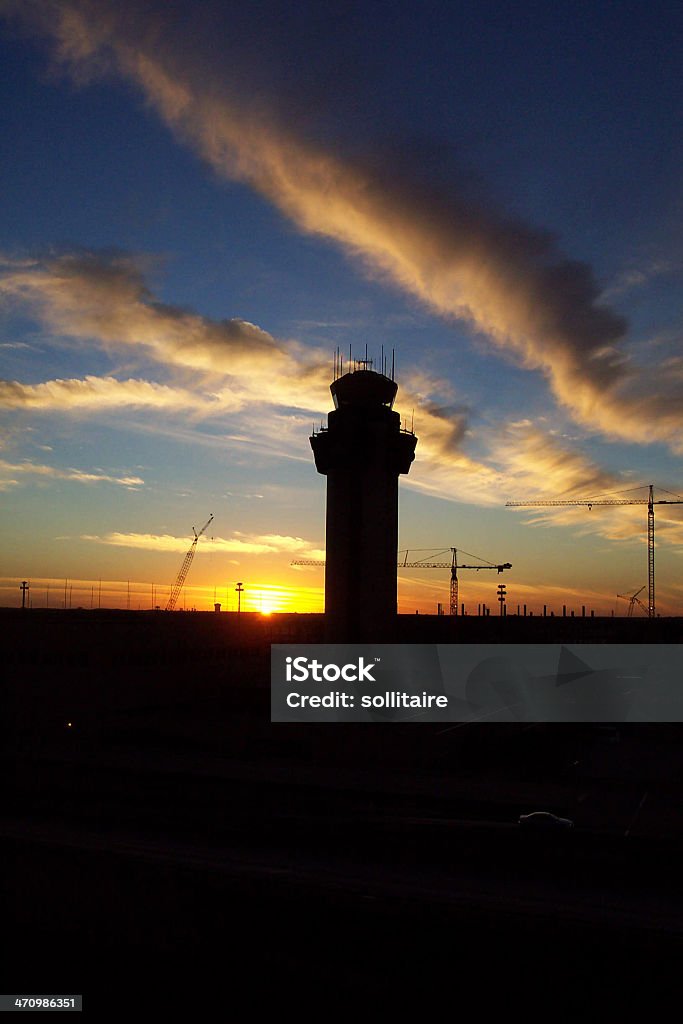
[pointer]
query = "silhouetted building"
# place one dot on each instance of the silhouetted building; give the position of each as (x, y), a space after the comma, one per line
(362, 451)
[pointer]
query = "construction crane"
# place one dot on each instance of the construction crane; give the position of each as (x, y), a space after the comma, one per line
(425, 563)
(453, 565)
(649, 501)
(633, 600)
(185, 567)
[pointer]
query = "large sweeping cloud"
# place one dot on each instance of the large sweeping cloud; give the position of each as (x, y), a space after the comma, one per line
(462, 258)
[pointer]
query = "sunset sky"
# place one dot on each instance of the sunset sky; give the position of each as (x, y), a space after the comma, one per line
(200, 201)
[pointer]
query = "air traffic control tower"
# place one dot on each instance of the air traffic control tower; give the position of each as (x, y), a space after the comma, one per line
(362, 451)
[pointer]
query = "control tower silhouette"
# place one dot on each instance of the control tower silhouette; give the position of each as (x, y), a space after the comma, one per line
(362, 451)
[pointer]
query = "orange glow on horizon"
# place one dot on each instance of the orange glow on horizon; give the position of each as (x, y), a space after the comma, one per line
(73, 593)
(272, 599)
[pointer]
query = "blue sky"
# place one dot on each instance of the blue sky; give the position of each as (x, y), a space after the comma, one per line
(200, 202)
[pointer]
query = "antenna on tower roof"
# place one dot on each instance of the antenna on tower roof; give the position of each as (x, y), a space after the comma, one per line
(392, 363)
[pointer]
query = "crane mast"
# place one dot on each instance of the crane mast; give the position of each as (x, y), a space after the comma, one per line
(185, 567)
(453, 565)
(651, 555)
(649, 501)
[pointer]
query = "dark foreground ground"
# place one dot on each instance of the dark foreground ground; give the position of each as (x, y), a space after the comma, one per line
(170, 846)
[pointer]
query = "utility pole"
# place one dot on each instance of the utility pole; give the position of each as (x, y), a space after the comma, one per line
(24, 588)
(240, 590)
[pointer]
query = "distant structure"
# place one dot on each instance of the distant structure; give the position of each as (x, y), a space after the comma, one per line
(453, 565)
(185, 567)
(362, 451)
(634, 600)
(649, 501)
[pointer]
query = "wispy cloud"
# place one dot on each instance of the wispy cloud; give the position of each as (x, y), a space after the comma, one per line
(11, 474)
(539, 467)
(522, 462)
(100, 394)
(105, 299)
(636, 277)
(518, 461)
(239, 543)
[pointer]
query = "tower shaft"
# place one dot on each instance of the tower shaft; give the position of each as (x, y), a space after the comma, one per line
(362, 452)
